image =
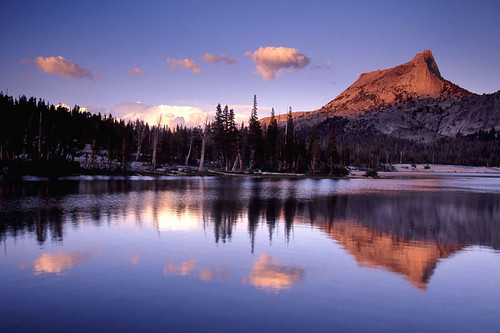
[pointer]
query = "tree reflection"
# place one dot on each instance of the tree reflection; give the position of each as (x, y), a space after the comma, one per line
(449, 220)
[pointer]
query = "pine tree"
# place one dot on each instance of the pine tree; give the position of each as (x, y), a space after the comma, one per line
(255, 138)
(313, 151)
(333, 155)
(272, 143)
(289, 141)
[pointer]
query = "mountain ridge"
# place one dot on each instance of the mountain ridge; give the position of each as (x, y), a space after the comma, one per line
(411, 100)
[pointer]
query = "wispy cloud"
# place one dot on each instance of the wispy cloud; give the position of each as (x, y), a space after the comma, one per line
(272, 61)
(25, 61)
(324, 65)
(186, 63)
(99, 75)
(62, 67)
(136, 71)
(213, 59)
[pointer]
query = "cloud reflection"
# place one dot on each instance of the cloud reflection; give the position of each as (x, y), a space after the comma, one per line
(271, 276)
(135, 258)
(183, 269)
(58, 262)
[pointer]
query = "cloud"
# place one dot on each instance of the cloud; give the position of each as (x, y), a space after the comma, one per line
(99, 75)
(62, 67)
(274, 61)
(213, 59)
(325, 65)
(136, 71)
(25, 61)
(186, 63)
(172, 115)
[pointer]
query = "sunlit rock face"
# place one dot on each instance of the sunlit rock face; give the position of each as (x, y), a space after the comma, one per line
(416, 260)
(419, 78)
(59, 262)
(271, 276)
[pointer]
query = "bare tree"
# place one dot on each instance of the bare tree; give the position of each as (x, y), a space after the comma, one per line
(204, 138)
(155, 142)
(140, 133)
(191, 139)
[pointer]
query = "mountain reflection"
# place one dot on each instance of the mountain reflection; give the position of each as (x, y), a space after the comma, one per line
(405, 232)
(416, 260)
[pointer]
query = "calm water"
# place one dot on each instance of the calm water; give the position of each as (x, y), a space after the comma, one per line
(246, 255)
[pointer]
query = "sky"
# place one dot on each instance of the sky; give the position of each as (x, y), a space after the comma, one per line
(139, 59)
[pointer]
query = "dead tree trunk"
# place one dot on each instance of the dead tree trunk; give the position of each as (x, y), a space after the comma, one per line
(155, 144)
(190, 148)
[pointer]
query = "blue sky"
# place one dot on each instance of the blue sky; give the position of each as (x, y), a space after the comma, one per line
(114, 53)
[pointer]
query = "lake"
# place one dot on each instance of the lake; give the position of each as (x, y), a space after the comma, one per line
(231, 254)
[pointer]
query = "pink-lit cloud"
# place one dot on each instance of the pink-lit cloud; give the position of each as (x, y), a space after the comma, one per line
(62, 67)
(99, 75)
(213, 59)
(272, 61)
(186, 63)
(136, 71)
(25, 61)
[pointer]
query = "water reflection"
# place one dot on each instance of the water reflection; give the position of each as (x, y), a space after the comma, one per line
(405, 232)
(135, 258)
(59, 262)
(272, 276)
(191, 268)
(184, 268)
(416, 260)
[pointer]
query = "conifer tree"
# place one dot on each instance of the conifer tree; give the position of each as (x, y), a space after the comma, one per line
(333, 155)
(313, 151)
(255, 138)
(272, 142)
(289, 141)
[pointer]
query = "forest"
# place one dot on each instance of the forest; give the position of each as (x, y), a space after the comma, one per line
(39, 138)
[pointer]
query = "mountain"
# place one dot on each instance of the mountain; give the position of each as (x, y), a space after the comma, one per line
(420, 78)
(410, 101)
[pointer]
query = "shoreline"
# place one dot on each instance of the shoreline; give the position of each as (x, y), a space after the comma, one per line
(401, 170)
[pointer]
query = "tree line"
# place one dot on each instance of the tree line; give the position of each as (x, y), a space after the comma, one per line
(35, 132)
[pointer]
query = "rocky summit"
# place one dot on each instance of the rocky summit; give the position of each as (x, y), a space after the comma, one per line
(420, 78)
(410, 101)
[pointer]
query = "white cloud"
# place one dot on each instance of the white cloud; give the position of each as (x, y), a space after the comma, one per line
(272, 61)
(172, 115)
(62, 67)
(186, 63)
(213, 59)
